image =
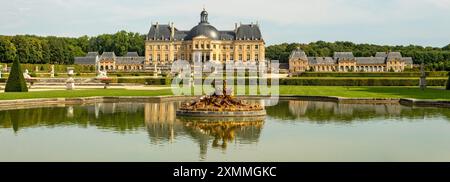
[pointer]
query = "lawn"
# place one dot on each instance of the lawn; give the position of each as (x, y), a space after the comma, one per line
(436, 93)
(82, 93)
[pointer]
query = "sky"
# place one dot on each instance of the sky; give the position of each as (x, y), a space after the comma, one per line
(385, 22)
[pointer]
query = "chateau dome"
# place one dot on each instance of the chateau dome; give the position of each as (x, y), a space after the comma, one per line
(203, 28)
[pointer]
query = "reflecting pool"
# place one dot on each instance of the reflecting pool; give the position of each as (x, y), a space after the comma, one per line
(293, 130)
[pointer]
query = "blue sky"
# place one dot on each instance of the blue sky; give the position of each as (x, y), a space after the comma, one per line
(387, 22)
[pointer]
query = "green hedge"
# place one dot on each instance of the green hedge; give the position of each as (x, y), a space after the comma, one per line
(146, 81)
(365, 74)
(310, 81)
(360, 82)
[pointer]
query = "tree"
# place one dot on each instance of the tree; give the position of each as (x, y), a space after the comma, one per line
(7, 50)
(16, 81)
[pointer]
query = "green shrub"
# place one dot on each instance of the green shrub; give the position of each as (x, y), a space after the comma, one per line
(33, 74)
(359, 82)
(16, 81)
(371, 74)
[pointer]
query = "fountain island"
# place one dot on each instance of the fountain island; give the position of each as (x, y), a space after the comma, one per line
(221, 105)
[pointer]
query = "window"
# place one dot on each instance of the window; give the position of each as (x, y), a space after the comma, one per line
(240, 57)
(158, 57)
(214, 46)
(196, 46)
(166, 57)
(240, 47)
(150, 57)
(202, 46)
(231, 57)
(248, 47)
(256, 57)
(167, 47)
(256, 46)
(158, 47)
(248, 57)
(207, 46)
(150, 47)
(214, 56)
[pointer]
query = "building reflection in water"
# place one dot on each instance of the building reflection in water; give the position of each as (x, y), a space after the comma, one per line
(338, 112)
(160, 122)
(163, 126)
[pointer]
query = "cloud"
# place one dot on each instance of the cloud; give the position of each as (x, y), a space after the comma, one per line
(379, 21)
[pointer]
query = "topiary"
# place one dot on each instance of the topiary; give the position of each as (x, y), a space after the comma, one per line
(16, 81)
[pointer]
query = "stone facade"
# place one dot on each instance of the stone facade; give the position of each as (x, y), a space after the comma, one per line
(165, 43)
(109, 61)
(346, 62)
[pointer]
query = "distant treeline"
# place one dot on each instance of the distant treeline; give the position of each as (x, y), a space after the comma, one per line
(435, 58)
(62, 50)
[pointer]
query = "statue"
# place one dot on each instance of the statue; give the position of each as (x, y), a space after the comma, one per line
(26, 75)
(103, 77)
(102, 74)
(52, 71)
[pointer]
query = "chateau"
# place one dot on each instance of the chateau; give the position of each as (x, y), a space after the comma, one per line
(165, 43)
(346, 62)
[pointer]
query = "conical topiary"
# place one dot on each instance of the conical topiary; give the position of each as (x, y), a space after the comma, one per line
(16, 81)
(448, 82)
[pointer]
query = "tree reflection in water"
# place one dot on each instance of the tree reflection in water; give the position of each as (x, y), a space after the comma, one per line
(160, 122)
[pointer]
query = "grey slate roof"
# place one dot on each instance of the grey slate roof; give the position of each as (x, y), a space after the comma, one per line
(129, 60)
(343, 56)
(394, 55)
(321, 60)
(298, 54)
(248, 32)
(162, 32)
(370, 60)
(227, 35)
(159, 32)
(108, 56)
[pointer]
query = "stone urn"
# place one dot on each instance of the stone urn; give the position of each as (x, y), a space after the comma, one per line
(70, 82)
(106, 81)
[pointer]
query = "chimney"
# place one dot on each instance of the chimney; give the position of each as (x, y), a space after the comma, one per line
(172, 31)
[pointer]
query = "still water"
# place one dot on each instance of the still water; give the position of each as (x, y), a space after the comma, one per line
(293, 130)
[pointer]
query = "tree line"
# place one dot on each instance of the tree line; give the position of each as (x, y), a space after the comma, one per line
(435, 58)
(62, 50)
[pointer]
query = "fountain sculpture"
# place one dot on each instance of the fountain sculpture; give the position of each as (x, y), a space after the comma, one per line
(220, 104)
